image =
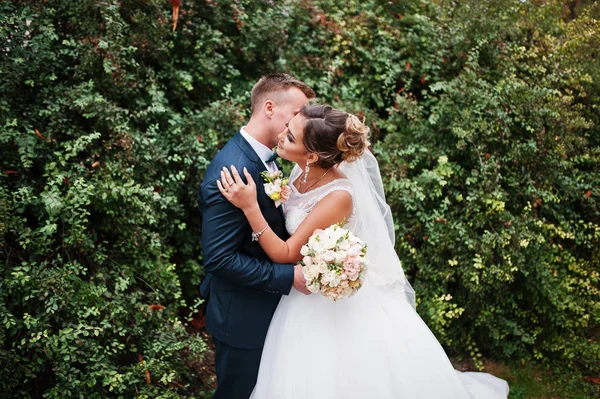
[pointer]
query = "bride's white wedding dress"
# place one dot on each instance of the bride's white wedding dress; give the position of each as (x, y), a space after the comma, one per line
(372, 345)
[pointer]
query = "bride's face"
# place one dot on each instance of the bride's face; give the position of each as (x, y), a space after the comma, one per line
(291, 145)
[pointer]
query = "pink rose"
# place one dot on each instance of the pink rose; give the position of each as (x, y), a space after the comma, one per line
(351, 263)
(285, 193)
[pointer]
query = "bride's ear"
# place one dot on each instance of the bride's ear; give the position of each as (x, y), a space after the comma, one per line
(312, 158)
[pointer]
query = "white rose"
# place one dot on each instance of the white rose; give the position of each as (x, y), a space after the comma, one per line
(310, 272)
(355, 250)
(328, 243)
(328, 256)
(328, 277)
(339, 257)
(344, 245)
(337, 233)
(304, 251)
(354, 239)
(320, 246)
(322, 267)
(269, 188)
(334, 278)
(314, 287)
(273, 188)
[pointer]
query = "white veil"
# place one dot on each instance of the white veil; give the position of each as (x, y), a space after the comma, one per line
(375, 225)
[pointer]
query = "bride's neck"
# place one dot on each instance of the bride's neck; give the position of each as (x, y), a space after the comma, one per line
(315, 176)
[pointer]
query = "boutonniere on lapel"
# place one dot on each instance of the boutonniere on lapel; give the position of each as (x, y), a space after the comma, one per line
(276, 186)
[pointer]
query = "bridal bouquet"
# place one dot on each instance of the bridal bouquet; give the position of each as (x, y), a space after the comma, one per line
(335, 262)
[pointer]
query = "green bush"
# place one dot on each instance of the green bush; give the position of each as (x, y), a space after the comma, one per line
(99, 174)
(496, 195)
(485, 119)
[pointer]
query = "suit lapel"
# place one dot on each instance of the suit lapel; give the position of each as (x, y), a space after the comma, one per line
(280, 208)
(251, 154)
(249, 151)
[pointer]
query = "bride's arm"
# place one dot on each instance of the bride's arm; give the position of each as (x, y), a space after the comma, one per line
(334, 208)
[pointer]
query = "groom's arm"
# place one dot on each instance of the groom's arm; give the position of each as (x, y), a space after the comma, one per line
(223, 231)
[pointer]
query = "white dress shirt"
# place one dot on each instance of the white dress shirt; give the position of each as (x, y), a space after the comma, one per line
(261, 150)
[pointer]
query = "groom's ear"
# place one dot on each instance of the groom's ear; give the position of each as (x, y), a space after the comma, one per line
(269, 108)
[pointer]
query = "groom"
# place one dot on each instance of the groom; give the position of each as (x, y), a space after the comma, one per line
(243, 287)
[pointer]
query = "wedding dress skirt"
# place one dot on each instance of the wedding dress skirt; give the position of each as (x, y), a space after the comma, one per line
(372, 345)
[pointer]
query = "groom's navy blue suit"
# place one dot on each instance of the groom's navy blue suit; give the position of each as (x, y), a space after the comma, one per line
(243, 286)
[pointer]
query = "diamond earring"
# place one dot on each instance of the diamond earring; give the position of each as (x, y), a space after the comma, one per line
(306, 170)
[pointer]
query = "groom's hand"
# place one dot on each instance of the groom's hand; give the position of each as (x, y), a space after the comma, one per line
(300, 281)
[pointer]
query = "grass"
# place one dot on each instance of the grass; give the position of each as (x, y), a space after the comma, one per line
(531, 381)
(528, 383)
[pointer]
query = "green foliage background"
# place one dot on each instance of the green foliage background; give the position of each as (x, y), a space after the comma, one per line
(486, 122)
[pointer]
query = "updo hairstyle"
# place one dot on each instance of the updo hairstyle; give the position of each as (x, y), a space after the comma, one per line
(333, 135)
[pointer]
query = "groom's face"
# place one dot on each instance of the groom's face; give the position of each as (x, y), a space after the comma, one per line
(287, 106)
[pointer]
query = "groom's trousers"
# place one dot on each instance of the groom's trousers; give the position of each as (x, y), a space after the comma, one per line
(237, 370)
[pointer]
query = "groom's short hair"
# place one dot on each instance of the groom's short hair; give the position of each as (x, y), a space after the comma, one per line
(275, 84)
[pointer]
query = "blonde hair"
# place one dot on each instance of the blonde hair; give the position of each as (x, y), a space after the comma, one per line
(354, 139)
(275, 85)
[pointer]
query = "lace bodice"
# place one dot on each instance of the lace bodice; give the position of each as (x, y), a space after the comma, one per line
(299, 205)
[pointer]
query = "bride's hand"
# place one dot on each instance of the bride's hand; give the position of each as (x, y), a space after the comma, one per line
(234, 189)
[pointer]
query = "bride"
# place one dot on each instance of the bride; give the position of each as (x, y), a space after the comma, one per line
(374, 344)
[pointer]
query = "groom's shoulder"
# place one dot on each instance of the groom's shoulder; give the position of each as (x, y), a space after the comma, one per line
(231, 148)
(231, 153)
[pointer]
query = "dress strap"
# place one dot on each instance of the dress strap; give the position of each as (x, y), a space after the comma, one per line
(296, 171)
(341, 185)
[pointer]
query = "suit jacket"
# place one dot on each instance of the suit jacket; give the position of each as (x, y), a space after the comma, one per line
(243, 286)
